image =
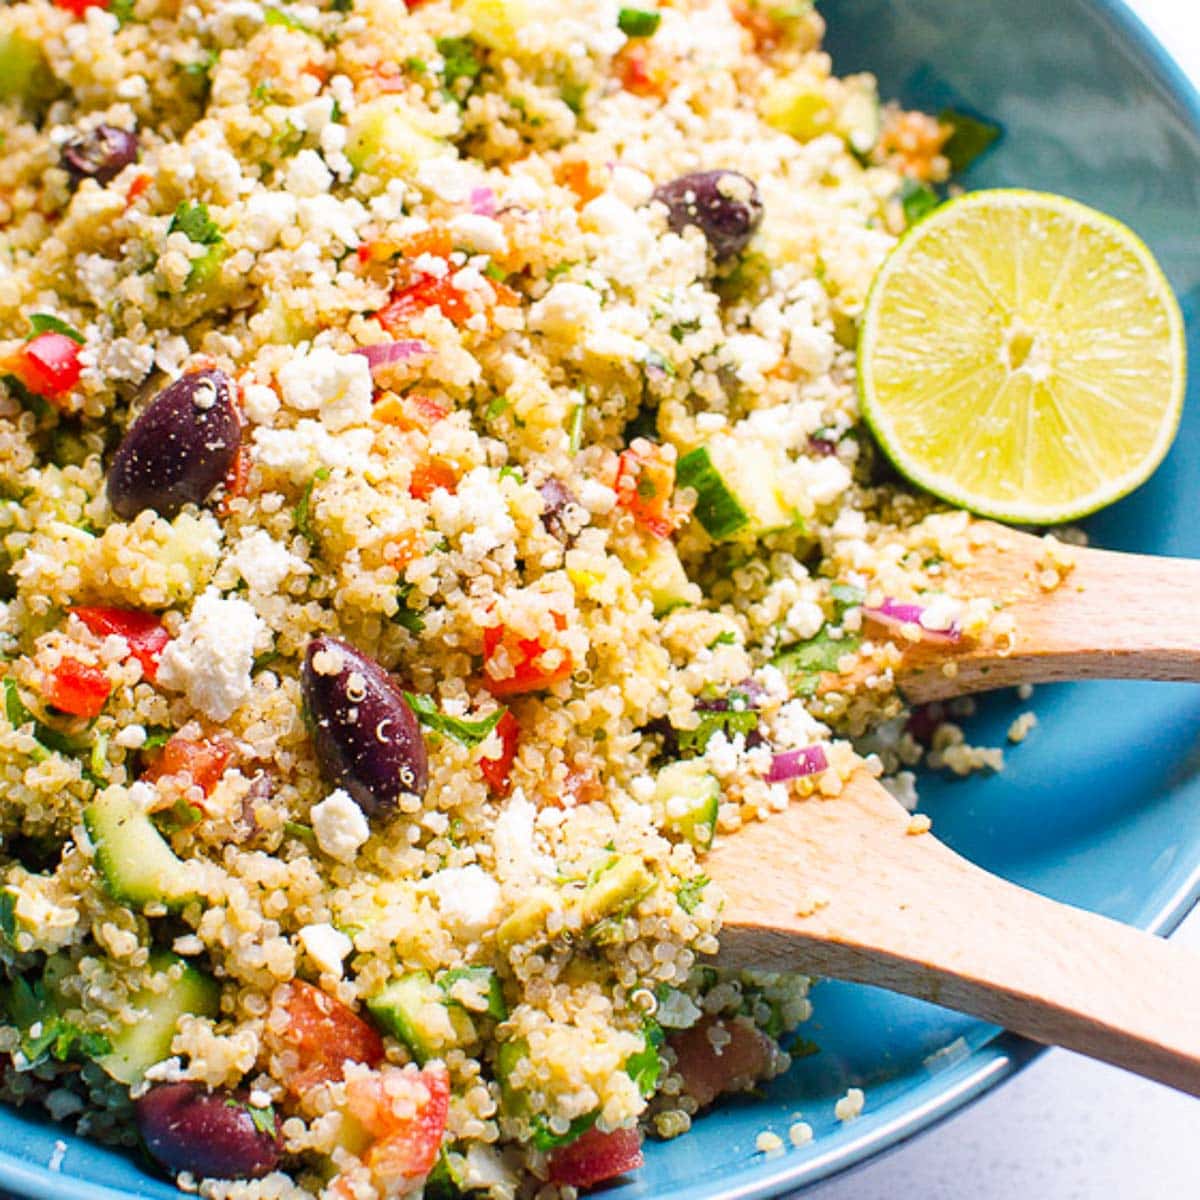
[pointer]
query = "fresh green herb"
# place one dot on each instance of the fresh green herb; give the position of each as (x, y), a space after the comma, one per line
(971, 138)
(730, 722)
(689, 893)
(181, 815)
(157, 738)
(460, 60)
(918, 200)
(95, 770)
(303, 832)
(680, 329)
(30, 1008)
(638, 23)
(511, 472)
(49, 323)
(201, 68)
(559, 268)
(303, 509)
(278, 16)
(262, 92)
(415, 66)
(499, 405)
(803, 664)
(544, 1138)
(264, 660)
(264, 1118)
(193, 221)
(573, 93)
(8, 914)
(404, 616)
(466, 733)
(48, 738)
(495, 272)
(645, 1066)
(576, 428)
(341, 6)
(728, 638)
(122, 10)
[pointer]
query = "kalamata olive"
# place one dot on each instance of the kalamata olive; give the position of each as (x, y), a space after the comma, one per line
(100, 155)
(213, 1134)
(179, 449)
(723, 205)
(556, 499)
(366, 737)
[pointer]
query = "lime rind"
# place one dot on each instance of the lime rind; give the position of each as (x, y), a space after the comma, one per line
(945, 485)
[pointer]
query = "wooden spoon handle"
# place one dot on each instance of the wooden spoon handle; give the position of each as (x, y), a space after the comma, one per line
(1115, 616)
(910, 915)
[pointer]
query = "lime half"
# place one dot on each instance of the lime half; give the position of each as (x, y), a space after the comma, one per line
(1022, 356)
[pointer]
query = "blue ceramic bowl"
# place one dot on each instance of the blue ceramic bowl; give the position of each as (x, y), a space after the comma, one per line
(1098, 806)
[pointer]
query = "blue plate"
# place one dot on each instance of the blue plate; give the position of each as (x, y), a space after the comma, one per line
(1098, 806)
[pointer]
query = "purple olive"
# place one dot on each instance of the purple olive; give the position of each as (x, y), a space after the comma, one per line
(556, 502)
(723, 205)
(366, 737)
(209, 1134)
(100, 155)
(179, 450)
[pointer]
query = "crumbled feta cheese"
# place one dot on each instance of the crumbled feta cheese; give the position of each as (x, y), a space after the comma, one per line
(265, 217)
(467, 897)
(264, 563)
(259, 403)
(337, 385)
(479, 233)
(850, 1105)
(512, 839)
(131, 737)
(340, 826)
(298, 452)
(750, 356)
(804, 619)
(326, 946)
(565, 310)
(597, 498)
(826, 479)
(941, 614)
(794, 726)
(308, 175)
(328, 217)
(211, 657)
(677, 1010)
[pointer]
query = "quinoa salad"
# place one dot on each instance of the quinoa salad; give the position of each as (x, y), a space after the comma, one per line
(433, 508)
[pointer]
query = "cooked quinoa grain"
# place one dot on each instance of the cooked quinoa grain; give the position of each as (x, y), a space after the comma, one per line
(433, 506)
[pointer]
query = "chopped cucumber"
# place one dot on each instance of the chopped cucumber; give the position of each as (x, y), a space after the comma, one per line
(384, 138)
(615, 890)
(808, 108)
(688, 796)
(414, 1009)
(736, 489)
(516, 1103)
(187, 992)
(498, 24)
(24, 74)
(477, 989)
(136, 862)
(527, 920)
(660, 577)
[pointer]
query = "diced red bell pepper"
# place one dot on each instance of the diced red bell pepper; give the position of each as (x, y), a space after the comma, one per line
(529, 673)
(405, 1146)
(204, 759)
(48, 364)
(743, 1059)
(594, 1157)
(645, 484)
(77, 688)
(496, 770)
(323, 1033)
(145, 634)
(639, 73)
(413, 411)
(428, 292)
(140, 183)
(236, 479)
(79, 7)
(430, 475)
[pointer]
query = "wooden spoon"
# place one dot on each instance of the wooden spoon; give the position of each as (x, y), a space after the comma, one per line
(846, 888)
(1115, 616)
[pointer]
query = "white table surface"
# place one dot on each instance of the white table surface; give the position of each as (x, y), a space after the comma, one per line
(1065, 1128)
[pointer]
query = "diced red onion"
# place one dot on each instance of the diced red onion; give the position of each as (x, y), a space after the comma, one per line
(898, 614)
(384, 353)
(795, 764)
(483, 202)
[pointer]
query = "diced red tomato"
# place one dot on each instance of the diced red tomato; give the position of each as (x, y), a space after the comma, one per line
(77, 688)
(645, 484)
(707, 1072)
(639, 73)
(583, 784)
(529, 672)
(407, 1146)
(323, 1033)
(410, 412)
(496, 770)
(427, 292)
(430, 475)
(79, 7)
(48, 364)
(137, 187)
(204, 759)
(145, 634)
(594, 1157)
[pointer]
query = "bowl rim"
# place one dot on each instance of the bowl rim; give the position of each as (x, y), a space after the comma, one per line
(992, 1063)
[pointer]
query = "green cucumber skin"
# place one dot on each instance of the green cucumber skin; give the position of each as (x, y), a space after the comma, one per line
(717, 508)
